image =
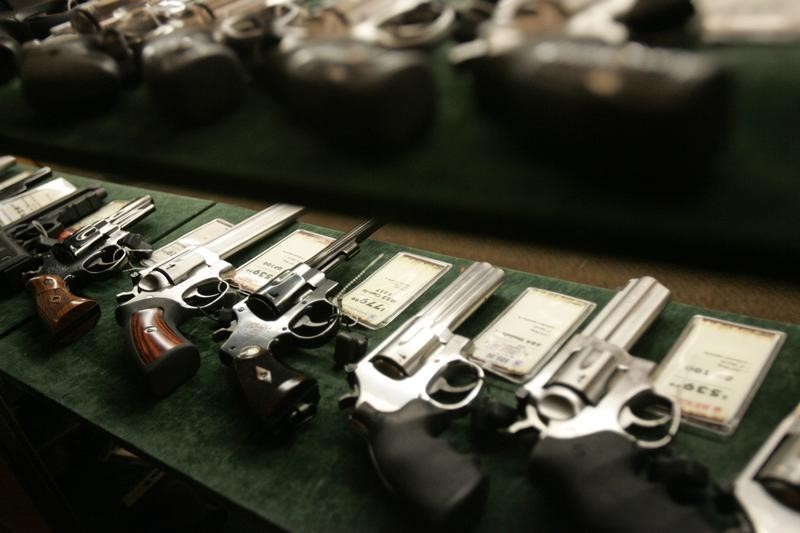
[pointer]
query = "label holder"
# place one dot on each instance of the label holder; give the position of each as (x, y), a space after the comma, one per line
(704, 424)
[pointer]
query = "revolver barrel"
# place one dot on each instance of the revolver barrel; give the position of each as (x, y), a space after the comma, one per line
(628, 315)
(409, 346)
(132, 212)
(255, 228)
(344, 247)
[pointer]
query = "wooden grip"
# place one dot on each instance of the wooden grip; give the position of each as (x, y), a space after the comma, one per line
(152, 336)
(167, 358)
(280, 396)
(68, 317)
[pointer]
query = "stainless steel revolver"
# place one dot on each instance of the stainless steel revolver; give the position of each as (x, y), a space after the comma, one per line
(768, 489)
(594, 384)
(406, 390)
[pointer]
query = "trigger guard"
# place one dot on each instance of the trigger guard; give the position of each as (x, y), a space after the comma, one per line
(469, 398)
(204, 301)
(91, 263)
(670, 422)
(331, 324)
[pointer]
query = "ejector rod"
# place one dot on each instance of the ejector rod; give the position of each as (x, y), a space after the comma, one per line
(253, 229)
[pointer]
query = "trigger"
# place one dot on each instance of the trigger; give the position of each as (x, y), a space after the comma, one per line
(442, 385)
(221, 335)
(136, 245)
(123, 297)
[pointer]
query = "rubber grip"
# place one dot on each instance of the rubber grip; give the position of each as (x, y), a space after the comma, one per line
(442, 486)
(166, 357)
(67, 317)
(596, 479)
(280, 397)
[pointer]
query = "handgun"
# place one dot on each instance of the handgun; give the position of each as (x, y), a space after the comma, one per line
(406, 390)
(96, 251)
(357, 64)
(23, 22)
(574, 67)
(22, 240)
(292, 309)
(768, 489)
(596, 412)
(22, 181)
(84, 71)
(189, 284)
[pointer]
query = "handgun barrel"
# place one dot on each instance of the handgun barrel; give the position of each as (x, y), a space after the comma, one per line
(343, 247)
(254, 228)
(628, 315)
(460, 299)
(132, 212)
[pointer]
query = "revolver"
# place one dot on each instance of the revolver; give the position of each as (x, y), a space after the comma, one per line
(596, 414)
(292, 309)
(572, 67)
(406, 390)
(768, 489)
(191, 283)
(22, 240)
(85, 70)
(96, 251)
(352, 64)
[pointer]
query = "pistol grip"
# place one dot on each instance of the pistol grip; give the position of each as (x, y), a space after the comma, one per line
(445, 487)
(165, 356)
(281, 397)
(68, 317)
(596, 479)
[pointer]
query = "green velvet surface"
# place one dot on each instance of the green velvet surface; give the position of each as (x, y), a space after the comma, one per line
(322, 479)
(469, 173)
(171, 212)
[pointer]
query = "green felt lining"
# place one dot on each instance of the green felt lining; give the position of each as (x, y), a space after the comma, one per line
(468, 173)
(171, 212)
(322, 479)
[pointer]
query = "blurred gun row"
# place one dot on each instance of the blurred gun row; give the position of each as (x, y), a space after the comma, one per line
(362, 70)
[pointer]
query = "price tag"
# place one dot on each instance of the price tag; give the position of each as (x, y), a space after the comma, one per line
(290, 251)
(377, 300)
(525, 335)
(197, 237)
(26, 203)
(714, 370)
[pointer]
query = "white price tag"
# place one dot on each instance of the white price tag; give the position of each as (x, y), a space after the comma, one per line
(197, 237)
(26, 203)
(714, 370)
(377, 300)
(287, 253)
(526, 334)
